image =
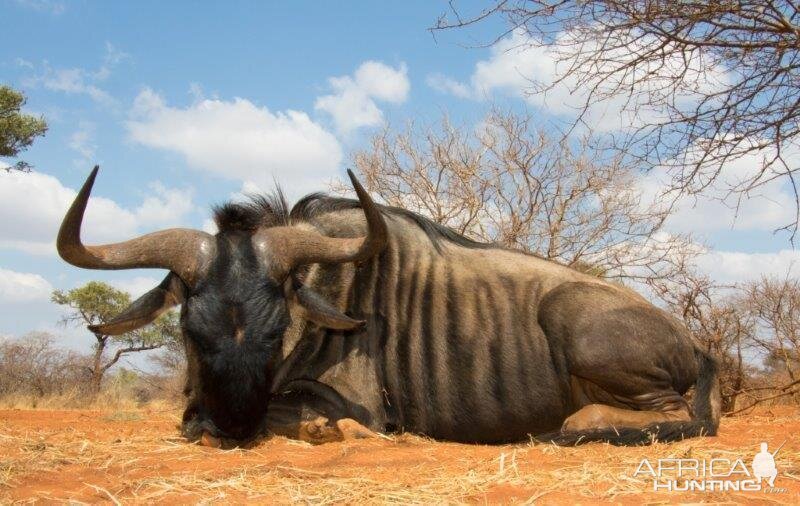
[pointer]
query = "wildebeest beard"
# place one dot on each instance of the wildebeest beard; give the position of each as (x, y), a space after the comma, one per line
(235, 396)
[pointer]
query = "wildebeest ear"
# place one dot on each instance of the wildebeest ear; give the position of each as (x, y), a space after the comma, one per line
(321, 312)
(146, 308)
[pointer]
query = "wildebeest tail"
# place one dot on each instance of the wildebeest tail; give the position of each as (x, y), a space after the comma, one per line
(705, 421)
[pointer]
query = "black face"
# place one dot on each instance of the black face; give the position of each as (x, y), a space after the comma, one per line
(233, 323)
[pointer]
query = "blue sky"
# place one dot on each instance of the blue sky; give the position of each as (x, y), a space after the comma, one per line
(184, 104)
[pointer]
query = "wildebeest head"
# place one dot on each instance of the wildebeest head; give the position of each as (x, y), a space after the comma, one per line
(235, 288)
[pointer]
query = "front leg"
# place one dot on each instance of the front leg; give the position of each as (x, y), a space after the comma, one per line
(320, 430)
(313, 412)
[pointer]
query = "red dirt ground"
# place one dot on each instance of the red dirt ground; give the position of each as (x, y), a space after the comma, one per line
(138, 457)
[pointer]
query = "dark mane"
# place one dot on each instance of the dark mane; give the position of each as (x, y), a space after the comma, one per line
(316, 204)
(272, 210)
(257, 211)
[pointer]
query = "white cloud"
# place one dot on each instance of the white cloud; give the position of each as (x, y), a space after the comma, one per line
(39, 201)
(735, 266)
(238, 139)
(79, 81)
(382, 81)
(112, 58)
(447, 85)
(196, 91)
(114, 55)
(248, 188)
(22, 62)
(54, 7)
(512, 66)
(137, 286)
(766, 208)
(209, 226)
(766, 211)
(352, 103)
(517, 64)
(21, 287)
(74, 81)
(82, 142)
(163, 207)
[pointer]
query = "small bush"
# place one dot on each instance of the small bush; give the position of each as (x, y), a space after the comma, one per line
(34, 373)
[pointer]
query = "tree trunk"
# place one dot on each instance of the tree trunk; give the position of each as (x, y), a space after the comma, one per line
(94, 383)
(96, 379)
(729, 403)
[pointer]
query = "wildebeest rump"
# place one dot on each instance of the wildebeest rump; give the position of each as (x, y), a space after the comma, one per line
(345, 311)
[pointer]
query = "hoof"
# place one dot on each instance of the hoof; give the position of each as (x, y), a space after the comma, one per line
(208, 440)
(351, 429)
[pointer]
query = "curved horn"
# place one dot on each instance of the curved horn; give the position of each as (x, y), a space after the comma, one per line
(300, 247)
(180, 250)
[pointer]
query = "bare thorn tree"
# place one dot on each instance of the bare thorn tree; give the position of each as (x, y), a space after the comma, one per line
(33, 366)
(508, 183)
(774, 303)
(720, 323)
(705, 82)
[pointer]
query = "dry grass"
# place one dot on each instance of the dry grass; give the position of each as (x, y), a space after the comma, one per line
(136, 457)
(108, 399)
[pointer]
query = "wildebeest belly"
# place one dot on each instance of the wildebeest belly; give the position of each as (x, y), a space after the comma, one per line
(483, 390)
(465, 359)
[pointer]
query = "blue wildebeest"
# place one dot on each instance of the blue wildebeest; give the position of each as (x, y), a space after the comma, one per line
(337, 318)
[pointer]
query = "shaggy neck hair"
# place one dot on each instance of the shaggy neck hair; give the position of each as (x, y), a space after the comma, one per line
(272, 210)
